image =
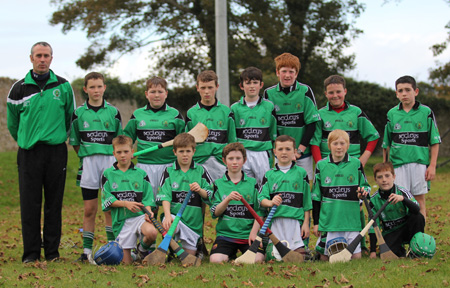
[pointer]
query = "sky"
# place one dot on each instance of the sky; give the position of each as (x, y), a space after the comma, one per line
(396, 41)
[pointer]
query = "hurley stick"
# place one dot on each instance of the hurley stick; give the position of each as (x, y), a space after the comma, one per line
(200, 132)
(346, 254)
(250, 255)
(385, 251)
(185, 258)
(286, 254)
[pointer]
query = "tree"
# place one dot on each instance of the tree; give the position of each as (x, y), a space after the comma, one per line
(259, 30)
(440, 76)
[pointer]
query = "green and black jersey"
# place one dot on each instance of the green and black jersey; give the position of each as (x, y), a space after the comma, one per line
(174, 187)
(293, 188)
(151, 127)
(256, 127)
(132, 185)
(394, 216)
(40, 115)
(94, 130)
(236, 221)
(352, 120)
(294, 110)
(221, 129)
(335, 186)
(408, 134)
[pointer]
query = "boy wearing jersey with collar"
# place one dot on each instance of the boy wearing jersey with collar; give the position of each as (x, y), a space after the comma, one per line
(287, 185)
(94, 125)
(296, 108)
(236, 228)
(177, 180)
(339, 114)
(125, 190)
(217, 117)
(401, 219)
(339, 183)
(410, 129)
(152, 125)
(256, 125)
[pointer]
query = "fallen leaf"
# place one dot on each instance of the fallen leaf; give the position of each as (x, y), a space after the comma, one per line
(343, 279)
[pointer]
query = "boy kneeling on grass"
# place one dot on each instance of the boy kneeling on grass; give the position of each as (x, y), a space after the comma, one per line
(125, 189)
(401, 219)
(236, 228)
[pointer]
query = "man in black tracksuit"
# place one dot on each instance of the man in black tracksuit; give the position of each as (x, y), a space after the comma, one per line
(39, 108)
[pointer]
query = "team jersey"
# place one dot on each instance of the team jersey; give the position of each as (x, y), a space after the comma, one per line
(256, 127)
(236, 221)
(94, 130)
(221, 129)
(131, 185)
(352, 120)
(292, 186)
(335, 186)
(409, 134)
(175, 185)
(151, 127)
(394, 216)
(40, 115)
(294, 110)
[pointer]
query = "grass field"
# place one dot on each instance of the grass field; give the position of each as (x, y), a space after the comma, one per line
(365, 272)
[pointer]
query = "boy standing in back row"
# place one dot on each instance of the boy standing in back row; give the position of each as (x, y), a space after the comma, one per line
(296, 108)
(94, 125)
(410, 129)
(256, 125)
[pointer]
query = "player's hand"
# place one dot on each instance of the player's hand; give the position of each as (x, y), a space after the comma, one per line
(305, 230)
(395, 198)
(195, 187)
(373, 255)
(316, 231)
(430, 173)
(147, 218)
(133, 206)
(167, 222)
(362, 193)
(234, 195)
(277, 200)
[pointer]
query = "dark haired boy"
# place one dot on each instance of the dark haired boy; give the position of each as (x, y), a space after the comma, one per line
(177, 180)
(401, 218)
(94, 125)
(217, 117)
(411, 141)
(256, 125)
(236, 228)
(125, 190)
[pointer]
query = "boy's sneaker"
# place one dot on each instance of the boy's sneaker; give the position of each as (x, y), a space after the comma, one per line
(86, 258)
(140, 255)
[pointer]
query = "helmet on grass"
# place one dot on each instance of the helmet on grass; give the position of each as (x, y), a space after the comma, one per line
(109, 254)
(422, 245)
(336, 245)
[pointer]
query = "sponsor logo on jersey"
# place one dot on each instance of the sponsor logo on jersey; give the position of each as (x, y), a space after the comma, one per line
(327, 124)
(295, 185)
(419, 125)
(195, 200)
(327, 180)
(56, 94)
(351, 179)
(101, 137)
(142, 123)
(290, 120)
(175, 185)
(298, 106)
(292, 199)
(165, 123)
(238, 211)
(128, 196)
(115, 186)
(247, 197)
(136, 185)
(106, 124)
(257, 134)
(26, 103)
(263, 121)
(85, 124)
(277, 108)
(340, 192)
(350, 124)
(220, 123)
(242, 122)
(397, 126)
(217, 136)
(274, 187)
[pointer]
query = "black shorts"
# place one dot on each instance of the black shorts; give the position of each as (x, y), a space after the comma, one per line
(89, 194)
(230, 248)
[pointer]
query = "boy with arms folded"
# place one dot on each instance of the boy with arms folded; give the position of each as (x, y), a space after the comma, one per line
(411, 141)
(401, 219)
(287, 185)
(236, 228)
(94, 125)
(296, 108)
(177, 180)
(125, 189)
(256, 125)
(217, 117)
(339, 182)
(152, 125)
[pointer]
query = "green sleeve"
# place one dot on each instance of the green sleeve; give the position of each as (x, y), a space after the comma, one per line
(311, 114)
(307, 201)
(264, 192)
(317, 138)
(387, 134)
(165, 191)
(13, 119)
(366, 129)
(316, 194)
(107, 197)
(74, 138)
(231, 129)
(119, 130)
(273, 126)
(433, 131)
(215, 200)
(130, 129)
(70, 106)
(148, 199)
